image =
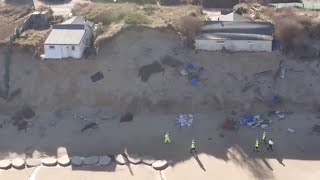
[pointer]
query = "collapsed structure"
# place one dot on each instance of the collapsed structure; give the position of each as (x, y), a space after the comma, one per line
(235, 36)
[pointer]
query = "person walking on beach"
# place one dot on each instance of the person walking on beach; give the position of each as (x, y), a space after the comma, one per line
(270, 144)
(257, 145)
(264, 138)
(193, 147)
(167, 138)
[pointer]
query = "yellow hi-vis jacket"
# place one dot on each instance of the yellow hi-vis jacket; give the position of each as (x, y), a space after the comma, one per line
(167, 136)
(193, 145)
(270, 142)
(257, 143)
(264, 135)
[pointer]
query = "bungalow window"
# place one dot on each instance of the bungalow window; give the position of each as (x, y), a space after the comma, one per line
(220, 42)
(51, 47)
(73, 48)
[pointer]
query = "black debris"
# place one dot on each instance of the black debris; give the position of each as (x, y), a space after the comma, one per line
(97, 76)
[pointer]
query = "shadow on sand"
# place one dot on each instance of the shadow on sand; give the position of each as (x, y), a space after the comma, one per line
(195, 156)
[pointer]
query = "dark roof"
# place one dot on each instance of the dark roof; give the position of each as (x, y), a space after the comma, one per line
(68, 26)
(236, 30)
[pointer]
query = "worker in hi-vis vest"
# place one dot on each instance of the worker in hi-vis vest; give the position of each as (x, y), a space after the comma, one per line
(257, 145)
(193, 147)
(167, 138)
(270, 145)
(264, 138)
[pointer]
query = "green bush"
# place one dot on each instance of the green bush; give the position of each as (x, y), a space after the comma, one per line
(242, 10)
(149, 9)
(106, 18)
(100, 30)
(136, 19)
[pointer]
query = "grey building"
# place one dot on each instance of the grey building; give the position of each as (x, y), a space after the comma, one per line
(235, 36)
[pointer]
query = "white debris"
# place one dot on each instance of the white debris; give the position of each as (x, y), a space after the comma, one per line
(280, 114)
(185, 120)
(291, 130)
(184, 72)
(283, 71)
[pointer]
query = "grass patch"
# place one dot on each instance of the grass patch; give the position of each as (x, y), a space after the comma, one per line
(135, 19)
(106, 18)
(33, 38)
(100, 30)
(128, 1)
(150, 9)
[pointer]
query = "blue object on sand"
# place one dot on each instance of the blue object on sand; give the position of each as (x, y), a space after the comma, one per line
(275, 99)
(247, 119)
(190, 66)
(193, 81)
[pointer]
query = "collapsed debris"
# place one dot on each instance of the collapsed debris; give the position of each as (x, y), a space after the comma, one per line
(86, 122)
(193, 73)
(81, 117)
(316, 128)
(171, 61)
(185, 120)
(91, 125)
(255, 121)
(279, 114)
(291, 130)
(147, 70)
(97, 76)
(228, 125)
(127, 117)
(19, 117)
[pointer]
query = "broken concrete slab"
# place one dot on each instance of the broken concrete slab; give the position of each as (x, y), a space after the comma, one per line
(64, 160)
(5, 164)
(160, 164)
(104, 160)
(77, 161)
(49, 161)
(33, 162)
(92, 160)
(148, 160)
(18, 163)
(134, 159)
(121, 159)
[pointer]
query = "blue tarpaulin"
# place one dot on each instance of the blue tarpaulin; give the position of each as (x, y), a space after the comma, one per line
(193, 81)
(246, 119)
(190, 66)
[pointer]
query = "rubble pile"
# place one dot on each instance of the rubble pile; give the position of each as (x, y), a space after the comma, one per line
(185, 120)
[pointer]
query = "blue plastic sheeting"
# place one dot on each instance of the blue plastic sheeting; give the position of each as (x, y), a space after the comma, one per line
(247, 119)
(275, 99)
(190, 66)
(193, 81)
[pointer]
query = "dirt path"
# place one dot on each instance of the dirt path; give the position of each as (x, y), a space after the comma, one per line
(60, 9)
